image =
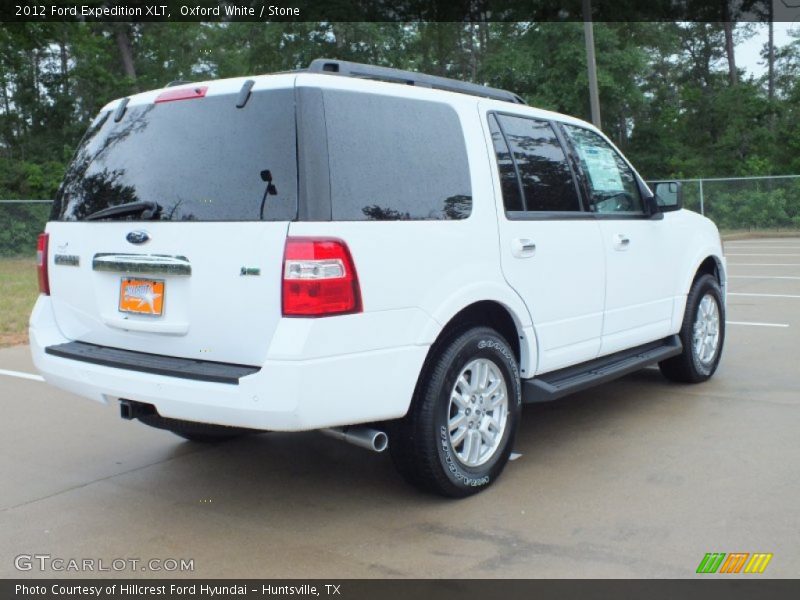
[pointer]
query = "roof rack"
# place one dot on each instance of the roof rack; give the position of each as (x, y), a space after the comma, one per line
(351, 69)
(177, 82)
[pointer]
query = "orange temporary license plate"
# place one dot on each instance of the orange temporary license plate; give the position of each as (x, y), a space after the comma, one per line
(142, 297)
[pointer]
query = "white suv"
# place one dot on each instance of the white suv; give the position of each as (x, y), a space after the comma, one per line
(327, 249)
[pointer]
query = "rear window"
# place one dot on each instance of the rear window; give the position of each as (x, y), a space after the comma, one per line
(200, 160)
(395, 159)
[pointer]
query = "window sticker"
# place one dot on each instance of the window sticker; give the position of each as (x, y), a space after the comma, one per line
(602, 168)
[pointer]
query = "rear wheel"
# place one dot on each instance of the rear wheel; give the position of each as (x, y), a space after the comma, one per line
(459, 432)
(702, 334)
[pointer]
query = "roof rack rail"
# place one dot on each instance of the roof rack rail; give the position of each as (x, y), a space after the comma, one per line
(351, 69)
(177, 82)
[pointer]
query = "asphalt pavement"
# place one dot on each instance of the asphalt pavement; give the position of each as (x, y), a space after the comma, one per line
(637, 478)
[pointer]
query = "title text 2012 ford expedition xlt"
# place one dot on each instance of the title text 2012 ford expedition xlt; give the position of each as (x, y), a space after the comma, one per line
(391, 257)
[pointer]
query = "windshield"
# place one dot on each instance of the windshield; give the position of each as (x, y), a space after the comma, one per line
(198, 160)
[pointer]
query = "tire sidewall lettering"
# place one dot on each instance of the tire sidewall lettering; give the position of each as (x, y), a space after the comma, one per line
(453, 466)
(497, 351)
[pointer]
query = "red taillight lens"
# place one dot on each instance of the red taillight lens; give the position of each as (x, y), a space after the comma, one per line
(319, 278)
(182, 94)
(41, 263)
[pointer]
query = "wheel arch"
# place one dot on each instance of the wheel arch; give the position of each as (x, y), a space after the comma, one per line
(710, 265)
(707, 262)
(509, 318)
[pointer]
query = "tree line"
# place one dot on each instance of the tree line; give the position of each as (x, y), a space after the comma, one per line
(672, 95)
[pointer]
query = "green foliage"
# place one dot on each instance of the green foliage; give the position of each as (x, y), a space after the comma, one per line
(666, 96)
(759, 209)
(20, 224)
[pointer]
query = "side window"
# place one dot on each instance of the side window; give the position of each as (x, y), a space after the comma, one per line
(611, 181)
(509, 183)
(545, 177)
(395, 159)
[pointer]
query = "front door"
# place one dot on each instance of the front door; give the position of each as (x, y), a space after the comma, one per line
(639, 284)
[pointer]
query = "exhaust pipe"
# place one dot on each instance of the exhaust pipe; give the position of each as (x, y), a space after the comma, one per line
(363, 437)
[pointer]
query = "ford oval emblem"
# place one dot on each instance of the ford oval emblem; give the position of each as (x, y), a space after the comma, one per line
(138, 237)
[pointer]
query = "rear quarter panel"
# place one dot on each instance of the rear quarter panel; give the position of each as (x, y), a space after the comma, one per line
(422, 273)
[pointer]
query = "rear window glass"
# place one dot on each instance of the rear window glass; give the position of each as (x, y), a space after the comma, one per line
(395, 159)
(200, 160)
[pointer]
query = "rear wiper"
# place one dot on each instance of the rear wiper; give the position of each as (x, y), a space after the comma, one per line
(151, 208)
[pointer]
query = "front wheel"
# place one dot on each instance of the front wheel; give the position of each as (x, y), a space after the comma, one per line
(458, 434)
(702, 334)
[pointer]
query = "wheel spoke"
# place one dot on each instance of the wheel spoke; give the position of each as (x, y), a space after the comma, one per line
(491, 422)
(479, 373)
(492, 387)
(458, 399)
(458, 437)
(467, 449)
(457, 421)
(487, 436)
(496, 401)
(474, 447)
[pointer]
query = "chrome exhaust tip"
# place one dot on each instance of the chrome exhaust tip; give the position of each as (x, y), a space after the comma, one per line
(363, 437)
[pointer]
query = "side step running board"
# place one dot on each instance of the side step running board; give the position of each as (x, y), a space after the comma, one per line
(563, 382)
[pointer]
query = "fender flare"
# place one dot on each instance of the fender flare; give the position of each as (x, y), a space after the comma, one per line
(699, 259)
(487, 291)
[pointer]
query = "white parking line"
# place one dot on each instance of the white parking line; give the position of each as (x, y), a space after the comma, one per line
(22, 375)
(763, 295)
(754, 247)
(762, 277)
(783, 325)
(760, 254)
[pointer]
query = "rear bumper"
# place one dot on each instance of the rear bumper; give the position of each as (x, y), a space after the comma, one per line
(284, 395)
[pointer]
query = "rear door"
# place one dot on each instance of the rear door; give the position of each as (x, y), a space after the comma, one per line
(551, 249)
(198, 276)
(640, 275)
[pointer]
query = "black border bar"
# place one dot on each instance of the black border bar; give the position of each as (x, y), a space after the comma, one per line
(730, 588)
(397, 10)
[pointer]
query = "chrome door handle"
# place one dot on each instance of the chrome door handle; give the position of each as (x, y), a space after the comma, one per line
(523, 248)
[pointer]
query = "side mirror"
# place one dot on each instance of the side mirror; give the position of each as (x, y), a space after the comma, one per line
(668, 195)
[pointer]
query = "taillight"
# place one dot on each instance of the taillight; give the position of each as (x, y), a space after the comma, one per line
(319, 278)
(41, 263)
(182, 94)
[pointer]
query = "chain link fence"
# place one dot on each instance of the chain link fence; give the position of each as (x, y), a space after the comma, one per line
(746, 203)
(733, 203)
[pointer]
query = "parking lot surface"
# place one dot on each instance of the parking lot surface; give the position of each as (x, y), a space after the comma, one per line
(637, 478)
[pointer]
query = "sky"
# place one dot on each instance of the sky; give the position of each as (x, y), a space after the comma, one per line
(748, 53)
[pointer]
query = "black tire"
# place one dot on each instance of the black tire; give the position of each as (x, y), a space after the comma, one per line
(203, 433)
(687, 367)
(421, 444)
